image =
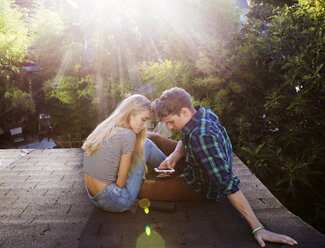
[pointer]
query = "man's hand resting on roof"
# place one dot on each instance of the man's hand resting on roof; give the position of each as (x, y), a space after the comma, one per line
(265, 235)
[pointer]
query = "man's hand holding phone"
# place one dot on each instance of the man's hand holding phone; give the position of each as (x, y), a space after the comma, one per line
(166, 166)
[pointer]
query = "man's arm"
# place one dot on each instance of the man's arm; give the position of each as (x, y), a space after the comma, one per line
(213, 160)
(174, 157)
(239, 201)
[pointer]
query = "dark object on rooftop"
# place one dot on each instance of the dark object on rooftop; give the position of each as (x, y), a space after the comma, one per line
(17, 136)
(44, 126)
(163, 206)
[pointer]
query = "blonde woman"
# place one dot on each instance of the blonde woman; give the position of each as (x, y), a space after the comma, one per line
(116, 153)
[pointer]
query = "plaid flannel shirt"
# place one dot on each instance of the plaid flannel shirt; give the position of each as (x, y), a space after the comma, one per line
(208, 156)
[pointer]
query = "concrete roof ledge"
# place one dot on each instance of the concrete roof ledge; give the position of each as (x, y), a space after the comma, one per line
(43, 204)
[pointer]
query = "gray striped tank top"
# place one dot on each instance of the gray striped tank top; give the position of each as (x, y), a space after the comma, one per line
(104, 164)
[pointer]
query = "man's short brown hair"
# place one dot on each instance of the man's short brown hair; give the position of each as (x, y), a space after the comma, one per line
(171, 102)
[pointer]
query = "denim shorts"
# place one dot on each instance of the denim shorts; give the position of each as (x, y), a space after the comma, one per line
(115, 199)
(112, 199)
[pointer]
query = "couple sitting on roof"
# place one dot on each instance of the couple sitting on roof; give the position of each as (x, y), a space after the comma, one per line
(117, 153)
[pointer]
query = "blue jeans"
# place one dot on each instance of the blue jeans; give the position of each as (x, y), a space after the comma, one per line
(116, 199)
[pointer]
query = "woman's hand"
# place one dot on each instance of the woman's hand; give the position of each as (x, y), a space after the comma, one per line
(123, 170)
(265, 235)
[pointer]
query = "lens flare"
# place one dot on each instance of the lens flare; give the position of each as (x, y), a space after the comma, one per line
(144, 203)
(149, 238)
(148, 230)
(154, 240)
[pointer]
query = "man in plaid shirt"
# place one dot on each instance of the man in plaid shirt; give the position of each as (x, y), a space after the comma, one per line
(208, 156)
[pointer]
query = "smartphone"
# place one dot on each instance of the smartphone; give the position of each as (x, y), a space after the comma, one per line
(164, 170)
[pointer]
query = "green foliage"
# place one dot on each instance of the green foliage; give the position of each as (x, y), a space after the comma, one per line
(14, 39)
(14, 42)
(272, 94)
(72, 104)
(164, 75)
(14, 96)
(262, 9)
(273, 101)
(70, 89)
(296, 106)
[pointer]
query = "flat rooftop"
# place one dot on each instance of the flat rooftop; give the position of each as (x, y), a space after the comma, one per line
(43, 203)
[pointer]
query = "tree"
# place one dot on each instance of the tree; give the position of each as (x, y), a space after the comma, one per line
(14, 42)
(272, 102)
(72, 102)
(263, 9)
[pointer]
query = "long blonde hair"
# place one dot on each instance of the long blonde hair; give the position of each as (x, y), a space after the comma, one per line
(120, 118)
